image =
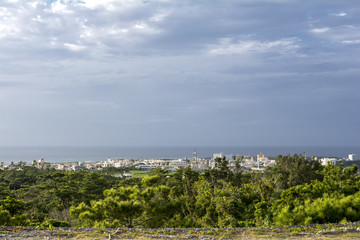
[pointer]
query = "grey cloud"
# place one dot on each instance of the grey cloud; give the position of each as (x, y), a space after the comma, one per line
(143, 68)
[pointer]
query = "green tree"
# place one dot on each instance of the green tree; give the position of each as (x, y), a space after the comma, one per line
(221, 171)
(294, 170)
(12, 205)
(127, 207)
(120, 208)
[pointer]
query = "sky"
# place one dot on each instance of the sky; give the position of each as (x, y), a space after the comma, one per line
(179, 73)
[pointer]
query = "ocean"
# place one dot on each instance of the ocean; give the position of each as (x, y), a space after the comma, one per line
(79, 154)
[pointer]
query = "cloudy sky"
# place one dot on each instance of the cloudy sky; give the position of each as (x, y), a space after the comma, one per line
(179, 73)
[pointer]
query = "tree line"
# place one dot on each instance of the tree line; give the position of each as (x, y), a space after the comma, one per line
(296, 191)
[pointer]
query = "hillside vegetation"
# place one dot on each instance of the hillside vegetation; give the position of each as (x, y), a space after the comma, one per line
(295, 192)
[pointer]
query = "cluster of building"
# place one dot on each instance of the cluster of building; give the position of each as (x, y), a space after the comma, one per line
(196, 163)
(326, 161)
(246, 163)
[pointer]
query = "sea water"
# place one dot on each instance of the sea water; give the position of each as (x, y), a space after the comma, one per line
(79, 154)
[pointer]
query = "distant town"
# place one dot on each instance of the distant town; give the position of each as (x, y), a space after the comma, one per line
(246, 163)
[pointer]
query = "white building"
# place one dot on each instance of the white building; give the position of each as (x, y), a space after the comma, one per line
(326, 161)
(180, 163)
(261, 158)
(218, 155)
(352, 157)
(147, 166)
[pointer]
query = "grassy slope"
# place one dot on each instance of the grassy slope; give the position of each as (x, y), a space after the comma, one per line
(139, 173)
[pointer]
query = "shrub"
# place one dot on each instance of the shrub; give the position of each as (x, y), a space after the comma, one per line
(55, 223)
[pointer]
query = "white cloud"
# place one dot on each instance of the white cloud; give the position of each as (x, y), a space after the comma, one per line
(8, 23)
(102, 27)
(320, 30)
(4, 12)
(74, 47)
(339, 34)
(227, 46)
(159, 17)
(107, 4)
(7, 30)
(38, 18)
(61, 7)
(340, 14)
(357, 41)
(143, 27)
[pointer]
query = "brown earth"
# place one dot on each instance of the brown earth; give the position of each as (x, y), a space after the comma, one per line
(315, 232)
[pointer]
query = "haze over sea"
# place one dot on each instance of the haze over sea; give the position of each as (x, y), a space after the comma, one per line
(77, 154)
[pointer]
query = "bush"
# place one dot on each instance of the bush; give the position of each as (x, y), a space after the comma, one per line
(55, 223)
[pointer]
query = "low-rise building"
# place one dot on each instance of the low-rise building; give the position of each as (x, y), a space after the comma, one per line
(326, 161)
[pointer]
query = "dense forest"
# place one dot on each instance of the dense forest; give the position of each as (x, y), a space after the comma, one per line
(296, 191)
